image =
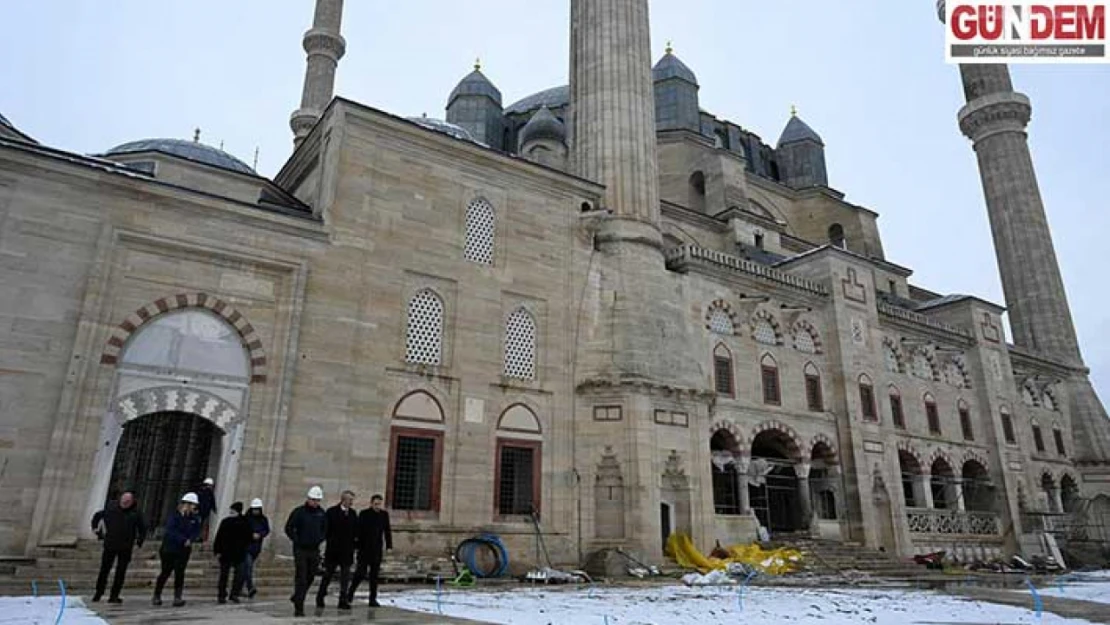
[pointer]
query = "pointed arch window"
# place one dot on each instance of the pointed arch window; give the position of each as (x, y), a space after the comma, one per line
(1007, 426)
(965, 421)
(520, 345)
(814, 399)
(897, 414)
(424, 336)
(764, 332)
(803, 341)
(1058, 437)
(772, 392)
(867, 399)
(720, 322)
(1047, 402)
(722, 371)
(481, 228)
(931, 414)
(1038, 437)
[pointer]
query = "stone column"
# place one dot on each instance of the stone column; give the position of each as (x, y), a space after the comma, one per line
(742, 465)
(325, 46)
(802, 471)
(1056, 502)
(613, 104)
(926, 490)
(958, 494)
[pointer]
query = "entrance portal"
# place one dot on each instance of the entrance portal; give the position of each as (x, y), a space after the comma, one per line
(161, 457)
(775, 501)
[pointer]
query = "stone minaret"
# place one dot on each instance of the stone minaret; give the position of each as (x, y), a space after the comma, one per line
(613, 100)
(995, 118)
(325, 46)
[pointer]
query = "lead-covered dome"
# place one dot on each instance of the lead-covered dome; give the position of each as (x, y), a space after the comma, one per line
(670, 66)
(543, 125)
(553, 98)
(446, 128)
(475, 84)
(797, 130)
(189, 150)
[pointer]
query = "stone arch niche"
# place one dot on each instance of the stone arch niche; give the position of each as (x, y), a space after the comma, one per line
(609, 498)
(190, 369)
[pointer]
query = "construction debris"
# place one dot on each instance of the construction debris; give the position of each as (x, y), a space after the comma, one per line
(751, 557)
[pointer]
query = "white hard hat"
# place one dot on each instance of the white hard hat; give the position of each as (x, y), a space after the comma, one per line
(256, 503)
(191, 498)
(315, 493)
(209, 481)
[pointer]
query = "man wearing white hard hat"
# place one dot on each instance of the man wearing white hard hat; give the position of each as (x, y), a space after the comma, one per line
(207, 496)
(182, 531)
(307, 528)
(260, 528)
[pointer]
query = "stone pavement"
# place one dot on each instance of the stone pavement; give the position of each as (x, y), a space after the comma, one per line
(137, 611)
(1068, 608)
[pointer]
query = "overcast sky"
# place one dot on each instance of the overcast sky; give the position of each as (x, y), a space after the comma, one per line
(868, 75)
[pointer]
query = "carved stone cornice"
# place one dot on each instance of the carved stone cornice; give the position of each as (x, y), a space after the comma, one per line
(995, 113)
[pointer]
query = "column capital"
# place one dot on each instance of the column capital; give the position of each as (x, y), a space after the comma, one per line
(802, 469)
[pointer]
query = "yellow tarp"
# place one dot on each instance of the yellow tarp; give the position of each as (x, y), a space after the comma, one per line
(773, 562)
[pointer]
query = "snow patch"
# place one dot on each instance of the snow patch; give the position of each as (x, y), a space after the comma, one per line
(44, 611)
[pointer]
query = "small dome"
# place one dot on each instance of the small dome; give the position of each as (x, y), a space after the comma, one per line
(553, 98)
(797, 130)
(670, 66)
(543, 125)
(190, 150)
(446, 128)
(475, 83)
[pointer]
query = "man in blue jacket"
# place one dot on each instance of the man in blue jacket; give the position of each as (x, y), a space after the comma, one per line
(182, 531)
(307, 528)
(260, 529)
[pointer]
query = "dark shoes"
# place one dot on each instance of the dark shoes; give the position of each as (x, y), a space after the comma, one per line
(177, 603)
(374, 603)
(156, 601)
(252, 593)
(298, 609)
(221, 601)
(233, 599)
(115, 600)
(319, 601)
(96, 598)
(343, 605)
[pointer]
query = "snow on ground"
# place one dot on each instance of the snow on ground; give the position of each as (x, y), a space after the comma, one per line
(678, 605)
(44, 611)
(1093, 586)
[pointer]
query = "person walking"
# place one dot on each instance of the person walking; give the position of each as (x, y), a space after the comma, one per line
(120, 525)
(207, 495)
(233, 540)
(306, 527)
(340, 550)
(260, 529)
(373, 533)
(182, 531)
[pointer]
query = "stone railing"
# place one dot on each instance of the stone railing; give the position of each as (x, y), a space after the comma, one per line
(920, 319)
(927, 521)
(681, 257)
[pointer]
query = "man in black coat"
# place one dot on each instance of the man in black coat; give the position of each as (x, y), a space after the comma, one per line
(120, 525)
(340, 551)
(373, 533)
(233, 539)
(306, 528)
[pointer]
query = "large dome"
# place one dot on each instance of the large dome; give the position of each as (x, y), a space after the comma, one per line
(553, 98)
(191, 150)
(446, 128)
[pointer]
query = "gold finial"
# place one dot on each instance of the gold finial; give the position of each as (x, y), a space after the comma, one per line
(670, 47)
(478, 64)
(793, 111)
(196, 136)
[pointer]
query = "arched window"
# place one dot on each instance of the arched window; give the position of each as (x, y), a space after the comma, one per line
(1048, 402)
(867, 399)
(1007, 426)
(772, 393)
(481, 227)
(518, 468)
(724, 451)
(720, 322)
(192, 340)
(897, 414)
(814, 396)
(416, 455)
(965, 420)
(722, 371)
(697, 191)
(931, 414)
(804, 341)
(1058, 438)
(1028, 396)
(836, 236)
(424, 338)
(1038, 437)
(764, 331)
(520, 346)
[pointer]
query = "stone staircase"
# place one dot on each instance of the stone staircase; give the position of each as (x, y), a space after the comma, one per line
(847, 559)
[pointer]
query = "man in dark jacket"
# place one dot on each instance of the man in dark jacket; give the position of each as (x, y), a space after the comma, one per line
(340, 551)
(207, 496)
(306, 528)
(373, 533)
(120, 525)
(182, 531)
(260, 529)
(233, 540)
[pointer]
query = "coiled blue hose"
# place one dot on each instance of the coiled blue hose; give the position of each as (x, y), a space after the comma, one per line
(467, 552)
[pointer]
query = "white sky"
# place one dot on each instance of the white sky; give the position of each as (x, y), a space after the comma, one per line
(868, 75)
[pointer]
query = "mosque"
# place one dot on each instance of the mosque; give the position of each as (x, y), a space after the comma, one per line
(599, 307)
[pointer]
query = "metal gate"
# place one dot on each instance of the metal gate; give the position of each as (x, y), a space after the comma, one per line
(160, 457)
(775, 502)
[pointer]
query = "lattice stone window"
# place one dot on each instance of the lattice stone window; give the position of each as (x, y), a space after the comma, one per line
(954, 375)
(922, 368)
(424, 339)
(765, 333)
(890, 357)
(720, 322)
(481, 226)
(520, 346)
(803, 342)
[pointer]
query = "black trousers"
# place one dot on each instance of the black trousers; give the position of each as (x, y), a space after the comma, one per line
(369, 567)
(305, 561)
(226, 566)
(121, 558)
(331, 563)
(172, 562)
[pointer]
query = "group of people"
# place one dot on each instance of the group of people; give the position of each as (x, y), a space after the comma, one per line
(238, 543)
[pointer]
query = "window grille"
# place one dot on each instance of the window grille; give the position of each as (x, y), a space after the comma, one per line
(771, 392)
(516, 487)
(413, 477)
(480, 231)
(1038, 438)
(803, 342)
(1008, 428)
(720, 322)
(722, 372)
(867, 402)
(897, 415)
(520, 346)
(424, 339)
(813, 393)
(765, 333)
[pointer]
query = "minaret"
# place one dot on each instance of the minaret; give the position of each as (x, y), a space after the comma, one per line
(995, 118)
(613, 101)
(325, 46)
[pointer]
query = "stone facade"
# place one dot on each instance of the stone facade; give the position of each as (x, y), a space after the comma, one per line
(480, 337)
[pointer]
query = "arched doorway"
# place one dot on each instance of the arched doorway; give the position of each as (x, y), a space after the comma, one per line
(774, 494)
(724, 452)
(1069, 494)
(978, 490)
(910, 470)
(941, 483)
(823, 482)
(160, 457)
(1048, 487)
